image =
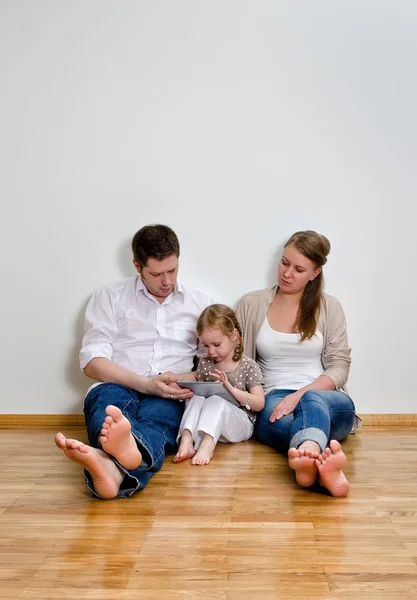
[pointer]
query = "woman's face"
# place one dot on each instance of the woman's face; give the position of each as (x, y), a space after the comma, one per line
(295, 271)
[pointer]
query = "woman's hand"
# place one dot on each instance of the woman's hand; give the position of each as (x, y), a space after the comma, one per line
(285, 407)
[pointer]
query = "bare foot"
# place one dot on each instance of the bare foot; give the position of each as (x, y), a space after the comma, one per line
(186, 449)
(329, 465)
(303, 461)
(205, 451)
(106, 477)
(116, 439)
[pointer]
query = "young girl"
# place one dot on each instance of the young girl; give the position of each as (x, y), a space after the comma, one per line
(209, 420)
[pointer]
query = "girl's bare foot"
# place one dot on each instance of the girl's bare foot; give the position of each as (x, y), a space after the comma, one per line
(116, 439)
(303, 461)
(106, 477)
(186, 449)
(205, 451)
(329, 464)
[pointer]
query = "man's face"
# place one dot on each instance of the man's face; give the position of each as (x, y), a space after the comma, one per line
(159, 276)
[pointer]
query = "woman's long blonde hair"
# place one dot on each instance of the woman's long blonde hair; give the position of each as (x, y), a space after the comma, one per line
(315, 247)
(220, 316)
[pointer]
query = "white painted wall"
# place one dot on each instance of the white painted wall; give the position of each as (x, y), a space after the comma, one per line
(235, 122)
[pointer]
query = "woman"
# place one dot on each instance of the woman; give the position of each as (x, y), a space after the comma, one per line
(298, 336)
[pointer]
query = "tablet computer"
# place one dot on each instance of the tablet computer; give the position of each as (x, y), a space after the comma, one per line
(209, 388)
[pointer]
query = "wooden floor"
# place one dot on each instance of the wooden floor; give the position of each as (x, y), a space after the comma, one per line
(237, 529)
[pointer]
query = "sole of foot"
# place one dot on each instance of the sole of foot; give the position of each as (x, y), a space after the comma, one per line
(329, 468)
(116, 439)
(105, 475)
(304, 464)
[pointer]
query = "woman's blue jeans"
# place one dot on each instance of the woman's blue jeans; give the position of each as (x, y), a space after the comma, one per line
(155, 422)
(320, 416)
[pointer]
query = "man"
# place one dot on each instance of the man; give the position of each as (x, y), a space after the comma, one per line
(138, 333)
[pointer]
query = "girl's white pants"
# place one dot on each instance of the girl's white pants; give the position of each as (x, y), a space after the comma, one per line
(217, 417)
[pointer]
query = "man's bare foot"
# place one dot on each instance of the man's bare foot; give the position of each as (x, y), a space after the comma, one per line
(205, 451)
(186, 449)
(329, 464)
(106, 477)
(303, 461)
(116, 439)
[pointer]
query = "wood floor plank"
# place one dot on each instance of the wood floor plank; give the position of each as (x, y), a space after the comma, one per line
(235, 529)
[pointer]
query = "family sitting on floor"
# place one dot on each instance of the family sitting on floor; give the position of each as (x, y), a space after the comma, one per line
(283, 359)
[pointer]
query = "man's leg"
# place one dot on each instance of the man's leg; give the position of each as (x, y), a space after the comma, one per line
(155, 427)
(103, 470)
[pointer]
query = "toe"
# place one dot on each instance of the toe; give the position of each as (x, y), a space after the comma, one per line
(335, 446)
(293, 453)
(114, 412)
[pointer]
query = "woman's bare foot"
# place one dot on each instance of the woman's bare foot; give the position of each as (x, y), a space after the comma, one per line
(205, 451)
(116, 439)
(303, 461)
(186, 449)
(106, 477)
(329, 464)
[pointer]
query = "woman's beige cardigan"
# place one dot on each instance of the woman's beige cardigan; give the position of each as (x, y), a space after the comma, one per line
(252, 310)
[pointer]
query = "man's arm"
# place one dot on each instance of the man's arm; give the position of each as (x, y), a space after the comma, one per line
(163, 385)
(97, 352)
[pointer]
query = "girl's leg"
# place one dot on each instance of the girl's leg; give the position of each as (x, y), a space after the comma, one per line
(219, 420)
(188, 428)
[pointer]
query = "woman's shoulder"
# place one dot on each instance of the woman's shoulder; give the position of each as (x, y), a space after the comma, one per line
(257, 295)
(331, 303)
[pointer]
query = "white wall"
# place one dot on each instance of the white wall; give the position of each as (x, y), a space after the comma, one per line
(235, 122)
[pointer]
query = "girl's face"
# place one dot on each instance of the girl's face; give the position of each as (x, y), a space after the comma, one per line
(295, 271)
(218, 345)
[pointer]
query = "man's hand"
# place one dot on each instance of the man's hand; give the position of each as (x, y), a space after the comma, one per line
(285, 407)
(165, 386)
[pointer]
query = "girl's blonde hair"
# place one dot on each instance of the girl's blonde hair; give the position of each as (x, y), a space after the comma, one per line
(315, 247)
(220, 316)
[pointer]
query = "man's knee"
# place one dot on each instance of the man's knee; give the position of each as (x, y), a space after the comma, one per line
(105, 394)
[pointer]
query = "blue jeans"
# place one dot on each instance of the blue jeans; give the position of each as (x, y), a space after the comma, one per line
(320, 416)
(155, 422)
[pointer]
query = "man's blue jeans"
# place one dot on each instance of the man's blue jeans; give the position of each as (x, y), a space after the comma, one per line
(320, 416)
(155, 422)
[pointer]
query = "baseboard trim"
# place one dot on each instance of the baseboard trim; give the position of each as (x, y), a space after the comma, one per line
(16, 421)
(390, 420)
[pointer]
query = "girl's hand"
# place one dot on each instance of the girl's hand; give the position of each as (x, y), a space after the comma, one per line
(220, 376)
(285, 407)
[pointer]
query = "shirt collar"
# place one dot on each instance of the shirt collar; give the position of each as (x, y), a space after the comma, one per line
(140, 286)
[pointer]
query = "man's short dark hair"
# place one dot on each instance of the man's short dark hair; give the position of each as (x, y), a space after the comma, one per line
(154, 241)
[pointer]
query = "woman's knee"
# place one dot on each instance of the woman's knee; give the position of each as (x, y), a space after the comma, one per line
(313, 396)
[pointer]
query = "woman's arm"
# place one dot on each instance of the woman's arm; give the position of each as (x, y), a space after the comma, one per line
(336, 352)
(288, 404)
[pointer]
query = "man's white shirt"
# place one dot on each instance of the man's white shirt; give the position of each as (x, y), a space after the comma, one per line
(127, 325)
